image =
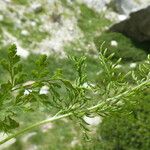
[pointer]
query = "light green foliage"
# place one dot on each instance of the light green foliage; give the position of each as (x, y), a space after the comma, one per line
(130, 132)
(126, 48)
(6, 22)
(20, 2)
(90, 22)
(109, 94)
(7, 100)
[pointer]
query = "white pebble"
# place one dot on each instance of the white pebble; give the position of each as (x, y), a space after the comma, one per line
(44, 90)
(74, 142)
(88, 85)
(114, 43)
(22, 52)
(122, 17)
(24, 32)
(28, 136)
(33, 23)
(133, 65)
(27, 92)
(94, 121)
(36, 6)
(1, 17)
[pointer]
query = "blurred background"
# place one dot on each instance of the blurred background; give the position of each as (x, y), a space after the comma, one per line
(59, 28)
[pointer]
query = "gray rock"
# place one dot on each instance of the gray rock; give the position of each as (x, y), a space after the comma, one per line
(125, 6)
(128, 6)
(137, 26)
(37, 7)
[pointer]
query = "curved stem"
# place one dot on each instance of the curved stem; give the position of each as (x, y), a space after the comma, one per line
(34, 126)
(57, 116)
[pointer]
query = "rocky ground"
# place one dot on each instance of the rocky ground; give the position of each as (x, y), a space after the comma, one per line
(43, 26)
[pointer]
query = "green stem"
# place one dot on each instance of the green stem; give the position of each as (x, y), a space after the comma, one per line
(57, 116)
(34, 126)
(147, 82)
